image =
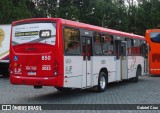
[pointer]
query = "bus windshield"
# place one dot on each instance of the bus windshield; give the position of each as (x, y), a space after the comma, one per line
(34, 33)
(155, 37)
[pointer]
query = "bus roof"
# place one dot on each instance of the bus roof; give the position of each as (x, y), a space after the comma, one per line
(152, 30)
(83, 26)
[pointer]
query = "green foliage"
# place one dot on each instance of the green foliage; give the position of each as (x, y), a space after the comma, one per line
(12, 10)
(124, 15)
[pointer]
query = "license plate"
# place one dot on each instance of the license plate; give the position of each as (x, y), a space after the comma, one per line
(31, 73)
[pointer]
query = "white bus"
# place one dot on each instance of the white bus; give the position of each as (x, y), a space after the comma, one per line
(67, 54)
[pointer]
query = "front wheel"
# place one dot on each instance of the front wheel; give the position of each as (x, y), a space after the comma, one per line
(102, 82)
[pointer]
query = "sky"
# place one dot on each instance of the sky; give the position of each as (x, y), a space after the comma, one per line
(134, 1)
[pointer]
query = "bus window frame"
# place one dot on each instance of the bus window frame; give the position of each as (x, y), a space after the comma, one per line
(141, 42)
(113, 41)
(151, 38)
(63, 40)
(47, 21)
(93, 44)
(83, 35)
(121, 38)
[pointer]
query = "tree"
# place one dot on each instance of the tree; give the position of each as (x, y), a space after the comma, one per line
(123, 15)
(147, 17)
(12, 10)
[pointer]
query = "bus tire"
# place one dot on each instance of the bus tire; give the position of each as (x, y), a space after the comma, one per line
(62, 89)
(138, 73)
(102, 82)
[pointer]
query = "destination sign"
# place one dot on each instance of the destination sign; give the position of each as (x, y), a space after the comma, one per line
(30, 33)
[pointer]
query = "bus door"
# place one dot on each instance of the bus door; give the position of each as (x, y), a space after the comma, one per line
(124, 59)
(121, 60)
(144, 53)
(118, 60)
(87, 52)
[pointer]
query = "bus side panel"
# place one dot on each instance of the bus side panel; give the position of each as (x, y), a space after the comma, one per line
(111, 67)
(107, 62)
(133, 62)
(154, 56)
(140, 61)
(118, 70)
(96, 67)
(73, 71)
(131, 66)
(60, 53)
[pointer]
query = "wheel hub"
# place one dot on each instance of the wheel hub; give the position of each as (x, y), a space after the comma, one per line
(102, 82)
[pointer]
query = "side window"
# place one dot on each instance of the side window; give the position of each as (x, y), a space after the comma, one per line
(107, 44)
(129, 46)
(155, 37)
(128, 43)
(72, 41)
(97, 43)
(137, 43)
(137, 47)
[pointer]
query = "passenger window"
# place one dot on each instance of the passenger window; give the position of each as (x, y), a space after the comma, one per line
(107, 44)
(137, 43)
(97, 44)
(129, 43)
(137, 47)
(129, 46)
(72, 41)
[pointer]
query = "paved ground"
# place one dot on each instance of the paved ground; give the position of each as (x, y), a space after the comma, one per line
(146, 91)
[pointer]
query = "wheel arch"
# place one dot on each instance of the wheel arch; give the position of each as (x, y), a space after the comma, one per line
(139, 66)
(102, 84)
(105, 70)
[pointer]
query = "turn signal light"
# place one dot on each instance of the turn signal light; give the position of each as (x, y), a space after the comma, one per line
(55, 68)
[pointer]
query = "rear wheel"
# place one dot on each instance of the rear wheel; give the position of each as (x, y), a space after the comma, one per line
(102, 82)
(138, 73)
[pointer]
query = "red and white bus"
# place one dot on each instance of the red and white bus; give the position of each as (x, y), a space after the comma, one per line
(153, 40)
(67, 54)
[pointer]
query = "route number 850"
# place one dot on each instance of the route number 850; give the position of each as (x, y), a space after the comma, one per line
(46, 57)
